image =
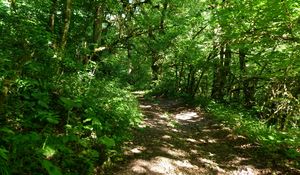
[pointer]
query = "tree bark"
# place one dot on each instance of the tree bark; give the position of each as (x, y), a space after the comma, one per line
(67, 21)
(247, 90)
(221, 73)
(98, 20)
(218, 81)
(52, 16)
(154, 57)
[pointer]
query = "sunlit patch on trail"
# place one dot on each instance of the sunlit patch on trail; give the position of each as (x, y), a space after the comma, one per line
(245, 146)
(191, 140)
(194, 151)
(174, 152)
(138, 150)
(246, 170)
(211, 154)
(211, 164)
(174, 130)
(166, 137)
(139, 93)
(212, 140)
(142, 125)
(145, 106)
(238, 160)
(165, 116)
(162, 165)
(186, 115)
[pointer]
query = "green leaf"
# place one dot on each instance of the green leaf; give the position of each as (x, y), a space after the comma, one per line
(48, 151)
(271, 137)
(52, 120)
(109, 142)
(43, 104)
(69, 103)
(7, 130)
(51, 168)
(3, 153)
(49, 117)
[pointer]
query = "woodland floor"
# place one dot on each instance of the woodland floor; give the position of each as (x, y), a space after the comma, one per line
(175, 139)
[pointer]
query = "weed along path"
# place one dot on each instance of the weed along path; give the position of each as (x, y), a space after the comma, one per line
(178, 140)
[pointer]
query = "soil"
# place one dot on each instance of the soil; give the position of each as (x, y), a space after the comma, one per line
(175, 139)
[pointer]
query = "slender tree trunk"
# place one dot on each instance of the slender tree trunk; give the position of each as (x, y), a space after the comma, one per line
(98, 20)
(129, 56)
(181, 72)
(52, 16)
(52, 22)
(191, 80)
(245, 81)
(154, 57)
(67, 21)
(163, 16)
(226, 71)
(221, 73)
(218, 81)
(176, 75)
(195, 90)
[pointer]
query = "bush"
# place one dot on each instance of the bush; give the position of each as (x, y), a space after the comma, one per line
(269, 137)
(64, 124)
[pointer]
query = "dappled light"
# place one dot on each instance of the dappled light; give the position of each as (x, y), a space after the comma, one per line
(137, 150)
(158, 87)
(186, 116)
(174, 152)
(191, 140)
(145, 106)
(166, 137)
(211, 164)
(196, 144)
(161, 165)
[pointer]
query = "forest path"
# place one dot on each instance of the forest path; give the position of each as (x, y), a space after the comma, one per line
(175, 139)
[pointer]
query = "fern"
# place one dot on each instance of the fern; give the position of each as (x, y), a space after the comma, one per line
(3, 161)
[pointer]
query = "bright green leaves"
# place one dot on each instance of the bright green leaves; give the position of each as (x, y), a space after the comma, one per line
(48, 152)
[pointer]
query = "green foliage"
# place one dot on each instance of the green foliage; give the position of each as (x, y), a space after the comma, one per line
(64, 80)
(281, 108)
(247, 124)
(51, 169)
(3, 161)
(78, 122)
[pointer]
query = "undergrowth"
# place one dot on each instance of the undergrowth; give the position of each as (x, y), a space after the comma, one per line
(287, 142)
(66, 124)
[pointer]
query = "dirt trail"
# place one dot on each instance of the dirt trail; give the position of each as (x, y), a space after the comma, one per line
(177, 140)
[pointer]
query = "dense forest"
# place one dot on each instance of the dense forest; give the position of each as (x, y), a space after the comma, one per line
(68, 67)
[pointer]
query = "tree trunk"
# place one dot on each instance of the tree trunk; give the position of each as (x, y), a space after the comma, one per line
(98, 20)
(154, 57)
(52, 22)
(247, 90)
(163, 16)
(218, 79)
(226, 72)
(67, 21)
(52, 16)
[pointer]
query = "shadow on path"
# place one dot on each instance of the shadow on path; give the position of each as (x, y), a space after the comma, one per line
(176, 140)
